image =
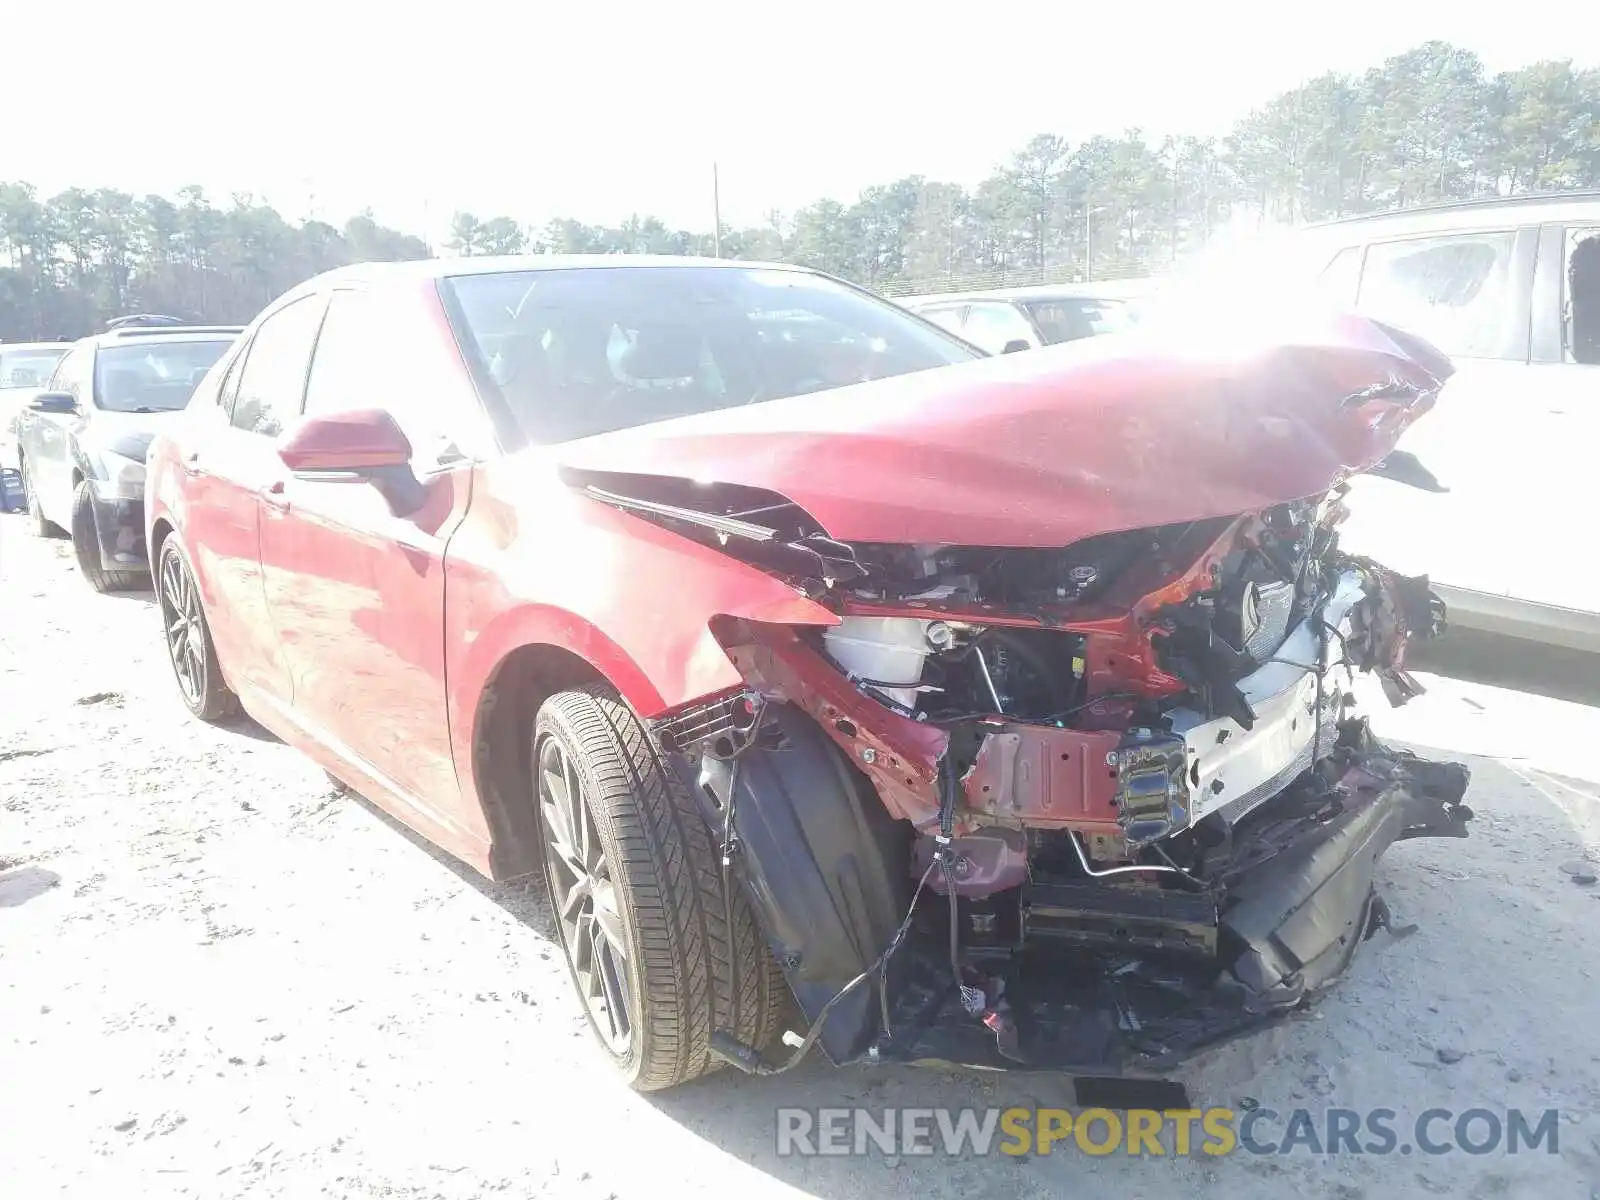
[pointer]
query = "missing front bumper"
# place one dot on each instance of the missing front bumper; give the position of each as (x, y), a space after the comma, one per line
(1297, 901)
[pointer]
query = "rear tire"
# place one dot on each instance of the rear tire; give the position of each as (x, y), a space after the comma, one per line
(86, 548)
(41, 526)
(189, 645)
(652, 905)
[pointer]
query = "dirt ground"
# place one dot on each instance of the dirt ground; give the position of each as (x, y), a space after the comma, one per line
(219, 979)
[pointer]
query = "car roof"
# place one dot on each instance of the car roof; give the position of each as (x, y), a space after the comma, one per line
(7, 347)
(449, 268)
(143, 335)
(1532, 208)
(1113, 289)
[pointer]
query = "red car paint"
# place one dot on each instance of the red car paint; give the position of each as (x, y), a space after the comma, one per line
(1053, 446)
(374, 641)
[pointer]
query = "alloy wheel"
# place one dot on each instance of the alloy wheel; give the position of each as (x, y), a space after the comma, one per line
(584, 896)
(180, 612)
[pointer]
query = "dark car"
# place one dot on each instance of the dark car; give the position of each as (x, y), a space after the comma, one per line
(81, 442)
(835, 677)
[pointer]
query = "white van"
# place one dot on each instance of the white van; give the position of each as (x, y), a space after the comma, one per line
(1510, 290)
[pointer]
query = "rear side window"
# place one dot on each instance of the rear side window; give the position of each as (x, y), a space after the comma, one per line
(1455, 291)
(272, 384)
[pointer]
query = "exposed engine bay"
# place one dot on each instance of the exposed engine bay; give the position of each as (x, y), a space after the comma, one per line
(1090, 808)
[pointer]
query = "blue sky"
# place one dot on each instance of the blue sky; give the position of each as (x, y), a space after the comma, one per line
(538, 110)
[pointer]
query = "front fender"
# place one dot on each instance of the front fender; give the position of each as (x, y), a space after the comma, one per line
(542, 566)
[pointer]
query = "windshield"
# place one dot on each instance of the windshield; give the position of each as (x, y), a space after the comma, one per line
(29, 368)
(584, 351)
(153, 376)
(1067, 318)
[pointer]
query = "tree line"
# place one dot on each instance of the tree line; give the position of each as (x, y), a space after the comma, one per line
(1427, 125)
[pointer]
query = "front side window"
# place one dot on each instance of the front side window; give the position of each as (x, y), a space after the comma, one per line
(1455, 291)
(154, 376)
(992, 327)
(578, 352)
(72, 372)
(272, 383)
(1582, 309)
(356, 366)
(28, 367)
(1069, 318)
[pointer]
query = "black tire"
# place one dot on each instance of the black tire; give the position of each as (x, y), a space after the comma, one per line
(42, 527)
(682, 982)
(188, 637)
(86, 548)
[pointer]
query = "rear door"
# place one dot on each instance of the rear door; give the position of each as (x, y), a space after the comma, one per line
(355, 590)
(1559, 429)
(226, 470)
(1467, 292)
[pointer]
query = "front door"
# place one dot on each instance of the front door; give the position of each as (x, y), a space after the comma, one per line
(227, 467)
(355, 589)
(49, 436)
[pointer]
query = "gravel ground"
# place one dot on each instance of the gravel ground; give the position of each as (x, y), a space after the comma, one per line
(219, 979)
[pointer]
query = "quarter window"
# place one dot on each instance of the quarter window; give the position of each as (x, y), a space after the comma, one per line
(1455, 291)
(272, 384)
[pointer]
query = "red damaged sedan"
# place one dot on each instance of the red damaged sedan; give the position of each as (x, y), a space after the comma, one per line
(842, 685)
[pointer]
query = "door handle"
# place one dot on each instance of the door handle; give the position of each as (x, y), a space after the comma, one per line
(191, 463)
(272, 496)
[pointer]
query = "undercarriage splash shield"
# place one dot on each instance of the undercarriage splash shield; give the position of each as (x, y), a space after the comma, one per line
(1298, 902)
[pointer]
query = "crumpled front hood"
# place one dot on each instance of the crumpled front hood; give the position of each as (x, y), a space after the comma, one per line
(1048, 447)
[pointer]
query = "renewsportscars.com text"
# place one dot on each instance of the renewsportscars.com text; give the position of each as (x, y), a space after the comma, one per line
(1178, 1132)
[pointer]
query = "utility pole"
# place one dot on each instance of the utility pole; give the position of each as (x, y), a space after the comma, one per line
(716, 214)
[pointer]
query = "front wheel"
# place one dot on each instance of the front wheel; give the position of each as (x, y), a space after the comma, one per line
(189, 646)
(636, 889)
(86, 547)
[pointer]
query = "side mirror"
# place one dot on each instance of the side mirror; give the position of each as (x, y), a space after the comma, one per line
(363, 446)
(61, 403)
(1014, 345)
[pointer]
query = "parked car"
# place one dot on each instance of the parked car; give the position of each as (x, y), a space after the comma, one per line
(752, 613)
(25, 367)
(1510, 290)
(1026, 318)
(81, 441)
